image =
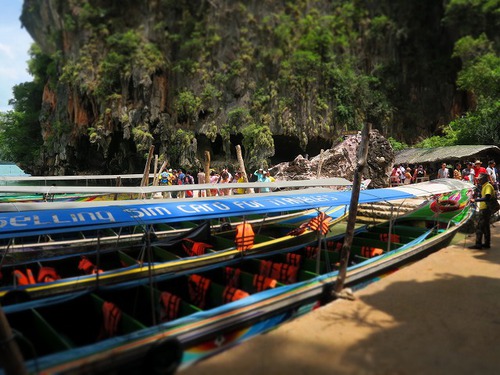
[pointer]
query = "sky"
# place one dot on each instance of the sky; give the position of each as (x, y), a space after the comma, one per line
(15, 43)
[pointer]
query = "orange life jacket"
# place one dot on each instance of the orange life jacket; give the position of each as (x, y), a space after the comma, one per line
(320, 223)
(170, 304)
(261, 282)
(193, 248)
(111, 318)
(391, 238)
(298, 231)
(311, 252)
(233, 294)
(282, 272)
(334, 245)
(285, 273)
(232, 276)
(293, 259)
(198, 287)
(265, 267)
(369, 252)
(87, 266)
(47, 274)
(24, 279)
(245, 236)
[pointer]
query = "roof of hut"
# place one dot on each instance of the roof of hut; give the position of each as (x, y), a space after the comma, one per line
(461, 153)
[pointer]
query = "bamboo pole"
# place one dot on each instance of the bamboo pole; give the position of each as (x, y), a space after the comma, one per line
(353, 208)
(207, 171)
(239, 156)
(320, 164)
(156, 181)
(145, 176)
(118, 183)
(155, 170)
(241, 162)
(10, 355)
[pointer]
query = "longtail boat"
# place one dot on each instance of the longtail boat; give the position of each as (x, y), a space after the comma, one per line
(195, 248)
(28, 197)
(27, 233)
(168, 322)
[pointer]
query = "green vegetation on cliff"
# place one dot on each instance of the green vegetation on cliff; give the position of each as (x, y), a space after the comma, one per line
(118, 77)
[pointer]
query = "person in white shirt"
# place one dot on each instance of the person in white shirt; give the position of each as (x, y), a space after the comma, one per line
(493, 173)
(443, 172)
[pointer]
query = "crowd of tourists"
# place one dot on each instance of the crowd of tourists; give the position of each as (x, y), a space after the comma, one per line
(220, 180)
(486, 194)
(469, 171)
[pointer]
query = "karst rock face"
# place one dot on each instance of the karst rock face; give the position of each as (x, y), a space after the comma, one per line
(341, 160)
(123, 76)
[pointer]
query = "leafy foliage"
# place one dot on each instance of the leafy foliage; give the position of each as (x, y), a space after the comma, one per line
(396, 145)
(303, 68)
(20, 136)
(258, 144)
(481, 77)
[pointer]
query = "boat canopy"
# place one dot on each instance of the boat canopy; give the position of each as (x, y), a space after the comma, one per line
(54, 218)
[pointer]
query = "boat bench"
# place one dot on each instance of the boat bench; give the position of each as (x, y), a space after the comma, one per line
(48, 329)
(158, 255)
(377, 237)
(401, 230)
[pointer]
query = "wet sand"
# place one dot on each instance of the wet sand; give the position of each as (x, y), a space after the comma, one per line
(440, 315)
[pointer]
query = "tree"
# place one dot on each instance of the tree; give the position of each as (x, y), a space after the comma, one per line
(20, 135)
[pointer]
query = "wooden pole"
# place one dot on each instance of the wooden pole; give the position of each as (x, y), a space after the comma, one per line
(10, 355)
(118, 183)
(155, 170)
(320, 164)
(156, 181)
(145, 176)
(353, 207)
(239, 156)
(207, 171)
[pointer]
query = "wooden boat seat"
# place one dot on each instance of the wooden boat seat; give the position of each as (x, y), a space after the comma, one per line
(39, 334)
(185, 308)
(253, 266)
(402, 230)
(246, 282)
(221, 242)
(215, 295)
(356, 251)
(127, 324)
(377, 237)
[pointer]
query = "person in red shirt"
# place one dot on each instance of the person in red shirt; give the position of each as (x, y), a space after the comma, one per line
(478, 169)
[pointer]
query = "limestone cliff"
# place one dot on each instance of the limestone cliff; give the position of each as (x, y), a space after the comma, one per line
(185, 76)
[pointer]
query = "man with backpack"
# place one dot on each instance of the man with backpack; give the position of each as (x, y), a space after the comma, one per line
(485, 211)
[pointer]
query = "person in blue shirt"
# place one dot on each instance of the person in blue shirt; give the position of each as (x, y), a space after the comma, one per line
(260, 178)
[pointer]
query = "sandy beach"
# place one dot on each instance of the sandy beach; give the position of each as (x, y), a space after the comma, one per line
(440, 315)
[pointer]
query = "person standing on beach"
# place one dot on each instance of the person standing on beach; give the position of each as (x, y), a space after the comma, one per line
(493, 172)
(483, 224)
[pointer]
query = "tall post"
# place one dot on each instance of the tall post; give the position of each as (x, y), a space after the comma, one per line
(147, 167)
(320, 164)
(243, 170)
(118, 183)
(353, 207)
(207, 171)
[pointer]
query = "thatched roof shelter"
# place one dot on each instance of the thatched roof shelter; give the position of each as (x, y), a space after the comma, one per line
(448, 154)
